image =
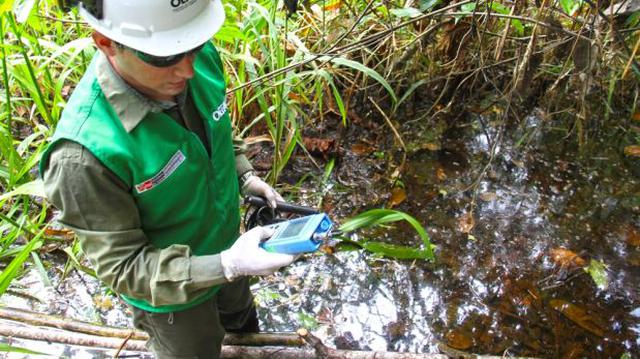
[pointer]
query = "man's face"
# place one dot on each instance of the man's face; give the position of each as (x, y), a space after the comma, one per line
(158, 83)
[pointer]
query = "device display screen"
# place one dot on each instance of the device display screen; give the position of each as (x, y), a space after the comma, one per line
(293, 228)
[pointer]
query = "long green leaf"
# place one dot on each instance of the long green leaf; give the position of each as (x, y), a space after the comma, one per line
(364, 69)
(382, 216)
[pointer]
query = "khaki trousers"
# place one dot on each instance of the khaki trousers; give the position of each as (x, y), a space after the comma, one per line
(198, 331)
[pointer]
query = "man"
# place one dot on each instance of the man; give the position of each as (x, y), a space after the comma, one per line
(143, 167)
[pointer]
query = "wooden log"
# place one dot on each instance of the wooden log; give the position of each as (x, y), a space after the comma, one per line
(25, 316)
(33, 318)
(228, 351)
(70, 338)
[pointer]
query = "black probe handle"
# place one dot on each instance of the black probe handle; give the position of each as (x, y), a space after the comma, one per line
(281, 206)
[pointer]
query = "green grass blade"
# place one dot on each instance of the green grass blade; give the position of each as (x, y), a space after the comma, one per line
(6, 348)
(9, 273)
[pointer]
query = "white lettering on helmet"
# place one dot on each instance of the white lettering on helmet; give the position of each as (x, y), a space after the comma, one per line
(179, 5)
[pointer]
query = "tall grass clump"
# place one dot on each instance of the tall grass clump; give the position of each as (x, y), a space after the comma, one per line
(41, 60)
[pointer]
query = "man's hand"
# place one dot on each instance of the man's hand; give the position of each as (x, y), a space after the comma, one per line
(246, 257)
(257, 187)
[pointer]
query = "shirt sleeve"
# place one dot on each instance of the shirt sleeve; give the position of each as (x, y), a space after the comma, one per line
(98, 206)
(242, 163)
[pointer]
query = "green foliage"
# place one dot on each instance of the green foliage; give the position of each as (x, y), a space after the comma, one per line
(570, 6)
(376, 217)
(307, 321)
(598, 272)
(6, 348)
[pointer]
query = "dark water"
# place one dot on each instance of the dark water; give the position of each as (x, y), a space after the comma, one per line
(505, 287)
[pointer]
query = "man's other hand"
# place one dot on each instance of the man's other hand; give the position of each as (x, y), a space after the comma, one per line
(246, 257)
(255, 186)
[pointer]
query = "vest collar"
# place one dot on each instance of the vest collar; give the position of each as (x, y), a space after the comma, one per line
(130, 105)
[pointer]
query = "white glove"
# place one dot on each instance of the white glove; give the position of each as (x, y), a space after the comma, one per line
(257, 187)
(246, 257)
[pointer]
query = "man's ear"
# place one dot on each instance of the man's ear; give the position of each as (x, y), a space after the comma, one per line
(105, 44)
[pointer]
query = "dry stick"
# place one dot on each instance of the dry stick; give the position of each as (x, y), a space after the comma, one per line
(124, 342)
(71, 338)
(404, 148)
(526, 58)
(33, 318)
(28, 317)
(633, 54)
(503, 39)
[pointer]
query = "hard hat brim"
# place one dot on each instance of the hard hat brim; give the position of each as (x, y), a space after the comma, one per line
(167, 43)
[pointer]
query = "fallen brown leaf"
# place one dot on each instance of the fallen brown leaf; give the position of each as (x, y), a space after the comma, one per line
(466, 222)
(488, 196)
(441, 174)
(398, 195)
(632, 151)
(566, 258)
(578, 316)
(431, 146)
(319, 146)
(362, 149)
(633, 236)
(458, 340)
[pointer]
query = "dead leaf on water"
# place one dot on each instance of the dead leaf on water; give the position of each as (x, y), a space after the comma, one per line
(488, 196)
(398, 195)
(319, 146)
(362, 149)
(458, 340)
(578, 316)
(566, 258)
(633, 236)
(431, 146)
(466, 222)
(632, 151)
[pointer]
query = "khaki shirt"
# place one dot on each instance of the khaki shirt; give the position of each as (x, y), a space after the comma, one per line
(98, 206)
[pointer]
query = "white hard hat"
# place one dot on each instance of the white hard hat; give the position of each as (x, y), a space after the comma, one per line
(156, 27)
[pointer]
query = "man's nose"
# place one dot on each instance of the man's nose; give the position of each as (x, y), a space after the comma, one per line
(184, 68)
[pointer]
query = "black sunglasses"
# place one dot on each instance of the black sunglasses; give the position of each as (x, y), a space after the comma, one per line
(162, 61)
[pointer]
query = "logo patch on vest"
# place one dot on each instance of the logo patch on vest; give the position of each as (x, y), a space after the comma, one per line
(164, 173)
(222, 109)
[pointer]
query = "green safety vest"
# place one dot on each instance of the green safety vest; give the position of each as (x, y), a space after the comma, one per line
(183, 195)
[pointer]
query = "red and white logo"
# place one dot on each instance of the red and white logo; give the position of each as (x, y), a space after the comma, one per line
(166, 171)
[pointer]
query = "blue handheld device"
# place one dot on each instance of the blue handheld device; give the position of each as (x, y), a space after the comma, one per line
(300, 235)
